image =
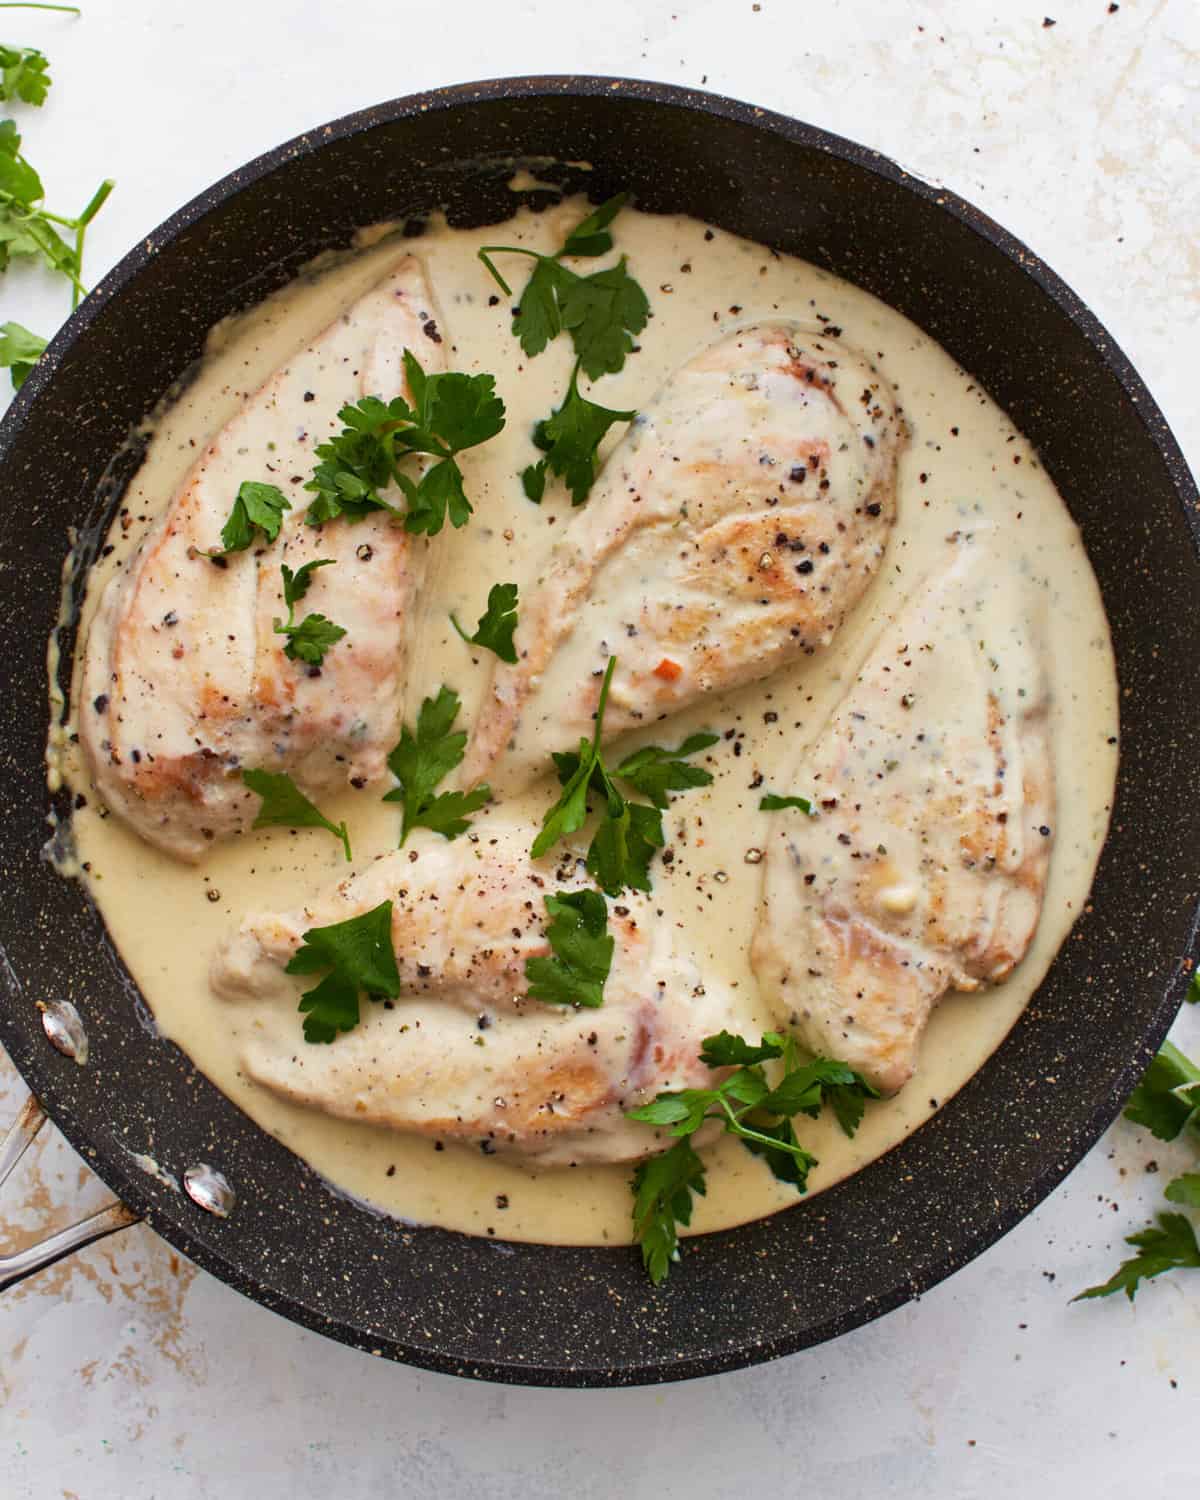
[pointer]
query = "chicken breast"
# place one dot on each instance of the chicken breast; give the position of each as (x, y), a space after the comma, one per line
(925, 866)
(731, 530)
(465, 1054)
(185, 681)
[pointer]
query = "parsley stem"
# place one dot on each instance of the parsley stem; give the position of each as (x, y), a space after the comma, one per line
(603, 701)
(735, 1125)
(485, 255)
(461, 631)
(71, 9)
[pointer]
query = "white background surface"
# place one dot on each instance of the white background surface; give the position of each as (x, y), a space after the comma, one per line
(126, 1373)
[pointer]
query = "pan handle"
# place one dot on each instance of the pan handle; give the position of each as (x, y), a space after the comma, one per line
(36, 1257)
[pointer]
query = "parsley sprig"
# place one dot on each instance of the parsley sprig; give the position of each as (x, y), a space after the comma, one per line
(497, 625)
(1167, 1103)
(749, 1106)
(601, 313)
(308, 641)
(450, 413)
(581, 953)
(629, 832)
(24, 74)
(421, 761)
(570, 438)
(257, 507)
(359, 956)
(20, 350)
(284, 805)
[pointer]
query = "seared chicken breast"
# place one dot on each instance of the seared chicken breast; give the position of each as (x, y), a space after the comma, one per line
(185, 681)
(925, 865)
(465, 1053)
(732, 529)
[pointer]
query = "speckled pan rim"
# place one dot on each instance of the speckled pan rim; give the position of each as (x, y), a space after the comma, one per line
(972, 1238)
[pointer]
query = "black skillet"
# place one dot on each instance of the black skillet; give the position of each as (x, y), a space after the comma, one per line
(561, 1316)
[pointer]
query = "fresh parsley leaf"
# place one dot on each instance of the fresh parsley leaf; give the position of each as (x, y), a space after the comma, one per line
(315, 634)
(654, 771)
(663, 1187)
(1167, 1248)
(421, 761)
(24, 74)
(570, 438)
(602, 312)
(771, 803)
(497, 624)
(760, 1115)
(538, 319)
(360, 956)
(284, 805)
(451, 412)
(258, 507)
(1193, 989)
(20, 350)
(590, 236)
(581, 951)
(619, 855)
(1168, 1095)
(628, 833)
(1184, 1189)
(725, 1050)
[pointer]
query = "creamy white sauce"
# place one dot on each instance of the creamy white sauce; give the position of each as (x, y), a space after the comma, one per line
(965, 464)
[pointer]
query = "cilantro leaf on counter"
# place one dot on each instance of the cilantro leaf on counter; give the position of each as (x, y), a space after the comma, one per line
(570, 438)
(284, 805)
(359, 956)
(771, 802)
(628, 833)
(663, 1187)
(497, 624)
(258, 507)
(422, 760)
(581, 951)
(1166, 1248)
(451, 412)
(20, 350)
(315, 634)
(759, 1113)
(24, 74)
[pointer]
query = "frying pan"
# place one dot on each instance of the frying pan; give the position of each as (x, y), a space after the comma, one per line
(587, 1316)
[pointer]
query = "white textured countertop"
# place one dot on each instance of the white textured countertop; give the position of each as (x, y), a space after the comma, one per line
(127, 1373)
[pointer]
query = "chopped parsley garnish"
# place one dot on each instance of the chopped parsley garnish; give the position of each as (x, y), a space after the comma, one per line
(629, 832)
(749, 1106)
(315, 634)
(421, 761)
(451, 412)
(284, 805)
(581, 951)
(1167, 1103)
(601, 313)
(497, 624)
(570, 438)
(359, 956)
(20, 350)
(771, 802)
(258, 507)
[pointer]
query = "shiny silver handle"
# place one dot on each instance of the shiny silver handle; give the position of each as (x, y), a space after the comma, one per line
(15, 1268)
